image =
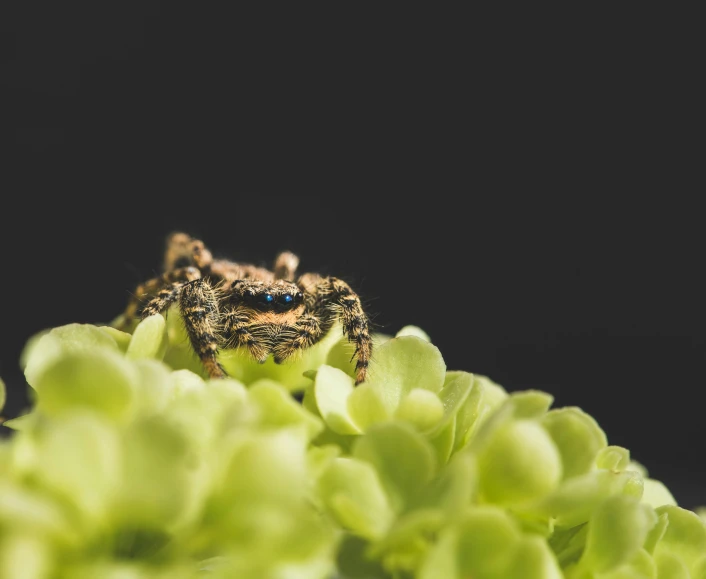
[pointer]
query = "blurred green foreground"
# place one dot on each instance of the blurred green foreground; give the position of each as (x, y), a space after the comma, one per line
(131, 465)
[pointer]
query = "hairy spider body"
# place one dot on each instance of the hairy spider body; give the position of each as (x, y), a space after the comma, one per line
(226, 305)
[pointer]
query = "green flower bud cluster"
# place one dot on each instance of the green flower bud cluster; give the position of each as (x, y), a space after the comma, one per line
(132, 464)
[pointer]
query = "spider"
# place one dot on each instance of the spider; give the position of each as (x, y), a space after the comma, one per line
(234, 305)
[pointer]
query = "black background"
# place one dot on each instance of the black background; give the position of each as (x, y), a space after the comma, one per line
(527, 197)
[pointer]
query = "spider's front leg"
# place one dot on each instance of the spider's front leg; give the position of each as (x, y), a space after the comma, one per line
(331, 297)
(161, 287)
(306, 332)
(198, 305)
(237, 329)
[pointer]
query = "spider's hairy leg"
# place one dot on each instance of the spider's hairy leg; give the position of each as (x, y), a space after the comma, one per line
(331, 290)
(183, 250)
(306, 332)
(286, 265)
(237, 331)
(156, 286)
(198, 304)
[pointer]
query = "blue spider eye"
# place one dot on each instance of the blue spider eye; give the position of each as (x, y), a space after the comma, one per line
(268, 298)
(287, 299)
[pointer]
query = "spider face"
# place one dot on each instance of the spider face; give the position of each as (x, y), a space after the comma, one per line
(279, 296)
(225, 304)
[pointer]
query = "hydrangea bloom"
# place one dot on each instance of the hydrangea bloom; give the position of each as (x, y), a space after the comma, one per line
(131, 464)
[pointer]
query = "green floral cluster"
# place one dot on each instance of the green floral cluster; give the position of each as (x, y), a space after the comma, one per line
(132, 465)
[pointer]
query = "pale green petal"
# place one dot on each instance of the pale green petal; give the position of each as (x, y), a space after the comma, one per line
(488, 540)
(332, 387)
(530, 403)
(69, 339)
(21, 422)
(670, 566)
(277, 408)
(577, 436)
(421, 408)
(657, 494)
(520, 463)
(484, 398)
(79, 456)
(454, 489)
(24, 556)
(354, 562)
(413, 331)
(616, 531)
(403, 458)
(614, 458)
(640, 566)
(575, 499)
(122, 339)
(366, 407)
(149, 340)
(533, 559)
(352, 491)
(453, 395)
(402, 364)
(441, 560)
(685, 535)
(156, 475)
(240, 365)
(99, 379)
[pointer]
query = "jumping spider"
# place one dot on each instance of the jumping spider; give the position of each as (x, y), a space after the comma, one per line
(231, 305)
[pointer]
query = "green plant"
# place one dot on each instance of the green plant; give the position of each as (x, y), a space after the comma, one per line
(131, 464)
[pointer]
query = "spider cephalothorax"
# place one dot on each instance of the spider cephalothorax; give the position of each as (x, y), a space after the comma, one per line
(233, 305)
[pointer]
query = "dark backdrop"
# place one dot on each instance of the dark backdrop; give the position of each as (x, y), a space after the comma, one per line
(531, 204)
